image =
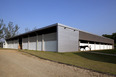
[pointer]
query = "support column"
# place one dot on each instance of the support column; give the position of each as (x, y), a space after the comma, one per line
(13, 44)
(94, 46)
(103, 46)
(22, 42)
(42, 49)
(99, 46)
(28, 43)
(36, 41)
(112, 46)
(79, 46)
(106, 46)
(89, 46)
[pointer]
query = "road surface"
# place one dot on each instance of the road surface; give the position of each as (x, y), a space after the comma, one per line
(17, 64)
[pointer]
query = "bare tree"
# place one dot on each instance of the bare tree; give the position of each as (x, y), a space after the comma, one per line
(34, 28)
(10, 30)
(27, 29)
(1, 29)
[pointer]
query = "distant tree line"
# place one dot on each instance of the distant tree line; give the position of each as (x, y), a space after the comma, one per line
(27, 29)
(112, 36)
(8, 30)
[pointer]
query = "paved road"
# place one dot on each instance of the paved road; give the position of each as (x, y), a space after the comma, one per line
(16, 64)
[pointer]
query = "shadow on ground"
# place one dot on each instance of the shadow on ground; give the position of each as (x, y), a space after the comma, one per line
(97, 57)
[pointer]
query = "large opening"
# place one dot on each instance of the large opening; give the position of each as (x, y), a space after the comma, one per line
(20, 43)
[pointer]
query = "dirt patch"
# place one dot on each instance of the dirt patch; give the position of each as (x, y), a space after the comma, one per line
(17, 64)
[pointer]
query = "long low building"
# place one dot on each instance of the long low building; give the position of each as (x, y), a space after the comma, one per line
(59, 38)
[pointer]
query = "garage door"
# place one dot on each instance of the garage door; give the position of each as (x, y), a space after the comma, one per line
(50, 42)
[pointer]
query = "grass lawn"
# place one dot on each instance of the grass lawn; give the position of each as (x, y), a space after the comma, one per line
(107, 51)
(102, 63)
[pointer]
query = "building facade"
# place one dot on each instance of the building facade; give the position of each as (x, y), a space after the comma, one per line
(59, 38)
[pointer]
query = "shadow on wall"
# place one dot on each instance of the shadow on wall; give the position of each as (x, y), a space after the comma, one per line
(97, 57)
(1, 45)
(114, 47)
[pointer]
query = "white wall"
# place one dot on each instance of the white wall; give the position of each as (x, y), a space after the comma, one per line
(110, 46)
(39, 44)
(67, 39)
(5, 45)
(44, 42)
(50, 43)
(96, 46)
(10, 44)
(50, 46)
(24, 43)
(84, 44)
(92, 46)
(32, 43)
(15, 44)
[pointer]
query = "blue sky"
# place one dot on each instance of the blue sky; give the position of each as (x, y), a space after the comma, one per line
(94, 16)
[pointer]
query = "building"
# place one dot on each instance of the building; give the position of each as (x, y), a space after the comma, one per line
(59, 38)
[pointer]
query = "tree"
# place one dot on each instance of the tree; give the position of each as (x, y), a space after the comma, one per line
(113, 36)
(10, 30)
(27, 29)
(34, 28)
(108, 36)
(1, 29)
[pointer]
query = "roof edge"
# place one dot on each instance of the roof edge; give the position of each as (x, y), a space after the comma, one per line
(34, 30)
(59, 24)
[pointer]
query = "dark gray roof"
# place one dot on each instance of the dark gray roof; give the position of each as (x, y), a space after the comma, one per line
(49, 26)
(92, 37)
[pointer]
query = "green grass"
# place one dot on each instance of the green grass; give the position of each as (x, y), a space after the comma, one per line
(102, 63)
(107, 51)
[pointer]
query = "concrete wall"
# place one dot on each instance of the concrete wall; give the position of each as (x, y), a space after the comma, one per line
(10, 44)
(67, 39)
(13, 44)
(39, 43)
(25, 43)
(5, 45)
(50, 42)
(84, 44)
(16, 43)
(32, 43)
(44, 42)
